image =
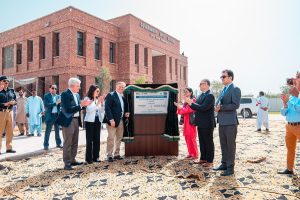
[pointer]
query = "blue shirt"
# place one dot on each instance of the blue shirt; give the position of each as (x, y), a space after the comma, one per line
(292, 112)
(54, 109)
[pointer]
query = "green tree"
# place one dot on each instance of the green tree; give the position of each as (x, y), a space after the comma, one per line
(216, 87)
(103, 79)
(285, 89)
(140, 80)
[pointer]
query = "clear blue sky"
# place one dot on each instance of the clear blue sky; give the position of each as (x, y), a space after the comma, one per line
(258, 40)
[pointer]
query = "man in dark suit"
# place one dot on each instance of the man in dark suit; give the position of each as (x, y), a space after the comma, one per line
(226, 106)
(205, 121)
(70, 120)
(116, 109)
(52, 106)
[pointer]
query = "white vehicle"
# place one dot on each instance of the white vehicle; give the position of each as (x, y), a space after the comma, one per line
(248, 107)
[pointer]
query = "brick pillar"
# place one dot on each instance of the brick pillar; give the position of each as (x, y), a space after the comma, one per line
(48, 81)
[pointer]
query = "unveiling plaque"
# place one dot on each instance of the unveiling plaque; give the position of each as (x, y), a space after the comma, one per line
(151, 102)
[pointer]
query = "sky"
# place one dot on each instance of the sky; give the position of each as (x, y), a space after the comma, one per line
(258, 40)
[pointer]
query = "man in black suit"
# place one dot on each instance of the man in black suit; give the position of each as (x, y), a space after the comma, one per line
(205, 121)
(226, 106)
(52, 106)
(70, 120)
(116, 109)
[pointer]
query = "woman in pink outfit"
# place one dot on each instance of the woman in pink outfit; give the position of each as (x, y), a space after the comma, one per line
(189, 131)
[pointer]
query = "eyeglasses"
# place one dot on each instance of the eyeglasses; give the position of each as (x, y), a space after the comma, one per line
(222, 77)
(53, 88)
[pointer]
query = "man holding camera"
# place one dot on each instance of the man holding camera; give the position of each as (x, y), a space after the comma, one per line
(291, 109)
(7, 100)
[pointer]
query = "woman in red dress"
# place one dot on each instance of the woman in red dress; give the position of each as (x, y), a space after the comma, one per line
(189, 130)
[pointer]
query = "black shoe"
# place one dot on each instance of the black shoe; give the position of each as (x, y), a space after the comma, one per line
(68, 167)
(110, 159)
(97, 160)
(118, 157)
(30, 135)
(258, 130)
(59, 146)
(89, 162)
(228, 172)
(267, 130)
(46, 148)
(10, 151)
(21, 134)
(286, 171)
(221, 167)
(76, 163)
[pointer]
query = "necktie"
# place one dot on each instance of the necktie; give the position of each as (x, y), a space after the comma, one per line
(221, 96)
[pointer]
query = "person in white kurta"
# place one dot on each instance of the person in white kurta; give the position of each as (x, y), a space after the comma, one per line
(34, 111)
(262, 113)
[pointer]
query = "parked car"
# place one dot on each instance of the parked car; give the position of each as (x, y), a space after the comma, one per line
(248, 107)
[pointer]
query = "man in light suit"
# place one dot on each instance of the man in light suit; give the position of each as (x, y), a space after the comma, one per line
(52, 105)
(226, 106)
(70, 120)
(116, 109)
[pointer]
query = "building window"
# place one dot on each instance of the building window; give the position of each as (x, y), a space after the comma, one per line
(170, 65)
(8, 57)
(30, 50)
(136, 54)
(42, 47)
(176, 67)
(180, 72)
(112, 85)
(146, 57)
(184, 73)
(80, 43)
(19, 54)
(56, 44)
(97, 48)
(112, 52)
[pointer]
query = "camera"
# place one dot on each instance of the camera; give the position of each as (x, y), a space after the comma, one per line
(290, 81)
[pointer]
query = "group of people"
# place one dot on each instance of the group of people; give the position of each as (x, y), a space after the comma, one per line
(65, 110)
(203, 108)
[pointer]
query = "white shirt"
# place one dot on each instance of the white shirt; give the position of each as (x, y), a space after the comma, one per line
(122, 102)
(77, 103)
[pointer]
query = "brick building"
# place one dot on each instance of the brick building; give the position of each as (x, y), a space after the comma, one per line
(71, 43)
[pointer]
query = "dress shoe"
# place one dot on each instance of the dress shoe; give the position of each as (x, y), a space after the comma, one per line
(200, 162)
(118, 157)
(228, 172)
(267, 130)
(89, 162)
(21, 134)
(110, 159)
(221, 167)
(68, 167)
(30, 135)
(39, 135)
(258, 130)
(59, 146)
(97, 160)
(286, 171)
(76, 163)
(10, 151)
(46, 148)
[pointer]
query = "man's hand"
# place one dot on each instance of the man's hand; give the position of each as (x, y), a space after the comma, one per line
(285, 99)
(127, 114)
(217, 108)
(58, 101)
(6, 104)
(112, 123)
(294, 91)
(12, 102)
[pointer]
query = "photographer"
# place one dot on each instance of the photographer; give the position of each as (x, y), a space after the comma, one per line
(291, 109)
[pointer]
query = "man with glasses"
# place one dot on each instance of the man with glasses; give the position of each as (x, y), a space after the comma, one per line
(226, 106)
(7, 101)
(52, 107)
(291, 110)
